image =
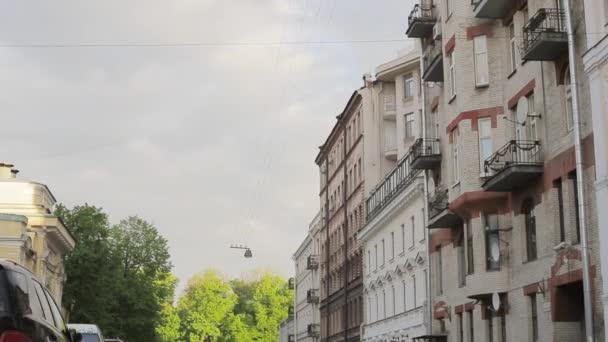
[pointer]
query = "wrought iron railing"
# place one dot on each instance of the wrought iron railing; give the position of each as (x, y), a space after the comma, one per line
(421, 11)
(515, 152)
(432, 53)
(438, 202)
(396, 180)
(425, 147)
(546, 20)
(475, 3)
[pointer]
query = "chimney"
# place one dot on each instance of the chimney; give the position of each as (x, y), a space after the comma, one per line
(368, 81)
(7, 171)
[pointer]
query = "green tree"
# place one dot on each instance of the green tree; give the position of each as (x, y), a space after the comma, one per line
(207, 301)
(144, 280)
(168, 327)
(88, 293)
(271, 301)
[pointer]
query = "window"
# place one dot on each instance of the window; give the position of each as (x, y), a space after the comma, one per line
(455, 157)
(408, 85)
(490, 325)
(503, 327)
(557, 184)
(492, 242)
(530, 223)
(460, 328)
(402, 238)
(469, 247)
(452, 74)
(409, 125)
(376, 251)
(485, 142)
(574, 182)
(394, 299)
(404, 297)
(439, 272)
(512, 48)
(533, 318)
(413, 232)
(568, 97)
(414, 288)
(377, 305)
(422, 232)
(392, 245)
(45, 304)
(480, 47)
(369, 261)
(383, 304)
(383, 253)
(56, 312)
(461, 261)
(471, 326)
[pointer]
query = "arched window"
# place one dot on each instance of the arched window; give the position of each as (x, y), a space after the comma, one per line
(530, 226)
(568, 97)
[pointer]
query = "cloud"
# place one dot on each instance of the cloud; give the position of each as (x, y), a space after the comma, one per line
(214, 144)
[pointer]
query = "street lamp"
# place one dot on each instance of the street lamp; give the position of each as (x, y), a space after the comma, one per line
(248, 253)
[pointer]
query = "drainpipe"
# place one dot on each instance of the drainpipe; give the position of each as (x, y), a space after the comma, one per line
(589, 333)
(425, 194)
(325, 321)
(346, 266)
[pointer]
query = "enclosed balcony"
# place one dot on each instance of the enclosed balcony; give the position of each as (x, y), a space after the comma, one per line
(312, 263)
(433, 63)
(292, 283)
(421, 20)
(314, 330)
(544, 36)
(426, 154)
(312, 296)
(514, 166)
(440, 215)
(392, 185)
(491, 9)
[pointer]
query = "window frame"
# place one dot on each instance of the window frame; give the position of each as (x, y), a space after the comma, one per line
(452, 74)
(491, 235)
(512, 48)
(455, 155)
(409, 87)
(534, 333)
(409, 121)
(481, 61)
(484, 137)
(470, 251)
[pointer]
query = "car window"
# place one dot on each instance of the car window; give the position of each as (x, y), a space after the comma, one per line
(4, 296)
(46, 308)
(24, 302)
(90, 338)
(56, 312)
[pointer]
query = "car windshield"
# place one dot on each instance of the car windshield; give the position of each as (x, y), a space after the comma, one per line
(90, 338)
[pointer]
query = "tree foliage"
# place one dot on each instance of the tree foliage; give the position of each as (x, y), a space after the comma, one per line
(117, 277)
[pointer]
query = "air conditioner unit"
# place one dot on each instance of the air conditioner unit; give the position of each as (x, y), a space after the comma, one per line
(437, 31)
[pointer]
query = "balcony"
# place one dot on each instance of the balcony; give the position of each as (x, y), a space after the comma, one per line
(440, 215)
(426, 154)
(421, 20)
(292, 283)
(481, 285)
(312, 263)
(491, 9)
(312, 296)
(545, 37)
(392, 185)
(314, 330)
(433, 63)
(513, 166)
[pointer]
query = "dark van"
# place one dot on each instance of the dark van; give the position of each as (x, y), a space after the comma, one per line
(28, 313)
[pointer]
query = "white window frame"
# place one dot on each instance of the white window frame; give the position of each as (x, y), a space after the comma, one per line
(484, 137)
(455, 156)
(410, 121)
(512, 48)
(409, 90)
(480, 51)
(452, 74)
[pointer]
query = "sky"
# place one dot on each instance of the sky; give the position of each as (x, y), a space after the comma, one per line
(201, 116)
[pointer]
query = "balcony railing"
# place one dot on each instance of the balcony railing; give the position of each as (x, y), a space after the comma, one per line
(440, 216)
(438, 202)
(421, 20)
(433, 63)
(426, 154)
(312, 263)
(513, 165)
(544, 36)
(492, 9)
(312, 296)
(397, 180)
(314, 330)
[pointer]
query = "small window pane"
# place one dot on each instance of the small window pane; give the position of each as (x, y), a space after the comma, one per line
(45, 304)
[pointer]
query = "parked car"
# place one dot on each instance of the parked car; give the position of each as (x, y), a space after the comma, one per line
(28, 313)
(89, 332)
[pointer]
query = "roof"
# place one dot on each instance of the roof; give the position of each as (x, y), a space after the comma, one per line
(85, 328)
(390, 69)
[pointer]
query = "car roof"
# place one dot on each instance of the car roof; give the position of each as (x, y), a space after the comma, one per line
(84, 328)
(13, 266)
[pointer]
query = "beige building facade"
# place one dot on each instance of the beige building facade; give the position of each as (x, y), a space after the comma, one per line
(503, 210)
(30, 234)
(596, 67)
(394, 236)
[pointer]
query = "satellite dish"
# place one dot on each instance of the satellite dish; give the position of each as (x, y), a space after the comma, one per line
(522, 110)
(496, 301)
(495, 251)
